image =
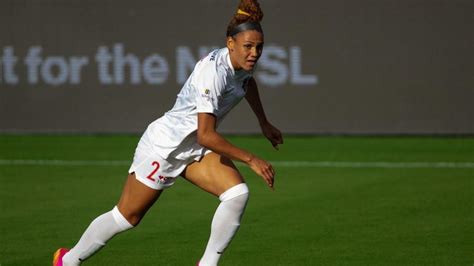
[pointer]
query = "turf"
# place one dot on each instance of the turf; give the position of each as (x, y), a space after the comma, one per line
(316, 216)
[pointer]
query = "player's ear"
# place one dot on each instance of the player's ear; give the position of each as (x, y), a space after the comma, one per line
(230, 43)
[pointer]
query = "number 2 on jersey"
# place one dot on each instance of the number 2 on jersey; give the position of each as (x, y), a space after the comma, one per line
(157, 166)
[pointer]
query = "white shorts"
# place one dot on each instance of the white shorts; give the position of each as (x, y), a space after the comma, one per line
(155, 171)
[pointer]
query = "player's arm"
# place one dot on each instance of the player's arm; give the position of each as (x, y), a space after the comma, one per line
(269, 131)
(208, 137)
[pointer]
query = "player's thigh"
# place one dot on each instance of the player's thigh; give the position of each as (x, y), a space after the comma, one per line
(136, 199)
(214, 174)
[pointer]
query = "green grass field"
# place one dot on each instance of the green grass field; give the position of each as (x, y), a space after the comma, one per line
(338, 201)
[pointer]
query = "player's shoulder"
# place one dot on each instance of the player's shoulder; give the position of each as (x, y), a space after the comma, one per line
(215, 62)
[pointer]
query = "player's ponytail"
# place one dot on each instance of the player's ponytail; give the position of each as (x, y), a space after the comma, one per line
(247, 17)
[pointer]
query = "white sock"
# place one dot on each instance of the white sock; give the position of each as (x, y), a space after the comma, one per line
(225, 223)
(101, 230)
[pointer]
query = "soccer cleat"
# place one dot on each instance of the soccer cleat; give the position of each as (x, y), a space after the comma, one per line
(58, 256)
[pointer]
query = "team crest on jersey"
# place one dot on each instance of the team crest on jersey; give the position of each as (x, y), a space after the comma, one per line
(206, 95)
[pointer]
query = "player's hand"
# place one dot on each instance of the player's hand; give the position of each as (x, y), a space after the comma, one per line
(272, 134)
(263, 169)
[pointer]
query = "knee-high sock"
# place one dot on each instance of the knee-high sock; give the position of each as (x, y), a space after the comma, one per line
(102, 229)
(225, 223)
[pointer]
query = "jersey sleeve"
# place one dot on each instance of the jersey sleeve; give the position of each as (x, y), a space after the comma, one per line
(209, 84)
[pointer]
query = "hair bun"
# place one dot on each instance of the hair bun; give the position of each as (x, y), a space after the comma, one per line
(248, 11)
(251, 7)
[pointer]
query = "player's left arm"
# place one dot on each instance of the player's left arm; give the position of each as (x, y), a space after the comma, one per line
(268, 130)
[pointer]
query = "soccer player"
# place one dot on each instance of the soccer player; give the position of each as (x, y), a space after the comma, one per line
(184, 142)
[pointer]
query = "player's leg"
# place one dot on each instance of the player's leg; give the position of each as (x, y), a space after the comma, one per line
(136, 199)
(217, 175)
(134, 202)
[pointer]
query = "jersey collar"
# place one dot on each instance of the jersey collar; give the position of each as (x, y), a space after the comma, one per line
(230, 62)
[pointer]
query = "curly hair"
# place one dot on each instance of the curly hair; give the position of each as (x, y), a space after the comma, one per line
(251, 13)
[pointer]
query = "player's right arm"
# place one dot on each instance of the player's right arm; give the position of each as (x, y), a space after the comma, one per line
(208, 137)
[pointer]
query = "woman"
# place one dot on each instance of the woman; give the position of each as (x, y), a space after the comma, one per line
(184, 142)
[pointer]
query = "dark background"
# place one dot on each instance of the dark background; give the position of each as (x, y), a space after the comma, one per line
(359, 67)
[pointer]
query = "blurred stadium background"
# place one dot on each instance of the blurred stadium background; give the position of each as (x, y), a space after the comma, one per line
(375, 98)
(338, 67)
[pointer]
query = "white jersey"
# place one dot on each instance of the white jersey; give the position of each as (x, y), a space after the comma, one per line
(213, 87)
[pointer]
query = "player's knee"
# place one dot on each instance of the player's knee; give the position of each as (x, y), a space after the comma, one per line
(120, 220)
(133, 218)
(240, 191)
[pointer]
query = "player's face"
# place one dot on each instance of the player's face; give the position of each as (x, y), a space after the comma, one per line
(245, 49)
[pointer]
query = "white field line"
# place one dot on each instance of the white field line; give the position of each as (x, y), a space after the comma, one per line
(66, 162)
(316, 164)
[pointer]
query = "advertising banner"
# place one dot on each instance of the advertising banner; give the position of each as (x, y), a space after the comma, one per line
(331, 67)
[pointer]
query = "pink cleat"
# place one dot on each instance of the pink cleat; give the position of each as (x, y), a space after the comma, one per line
(58, 256)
